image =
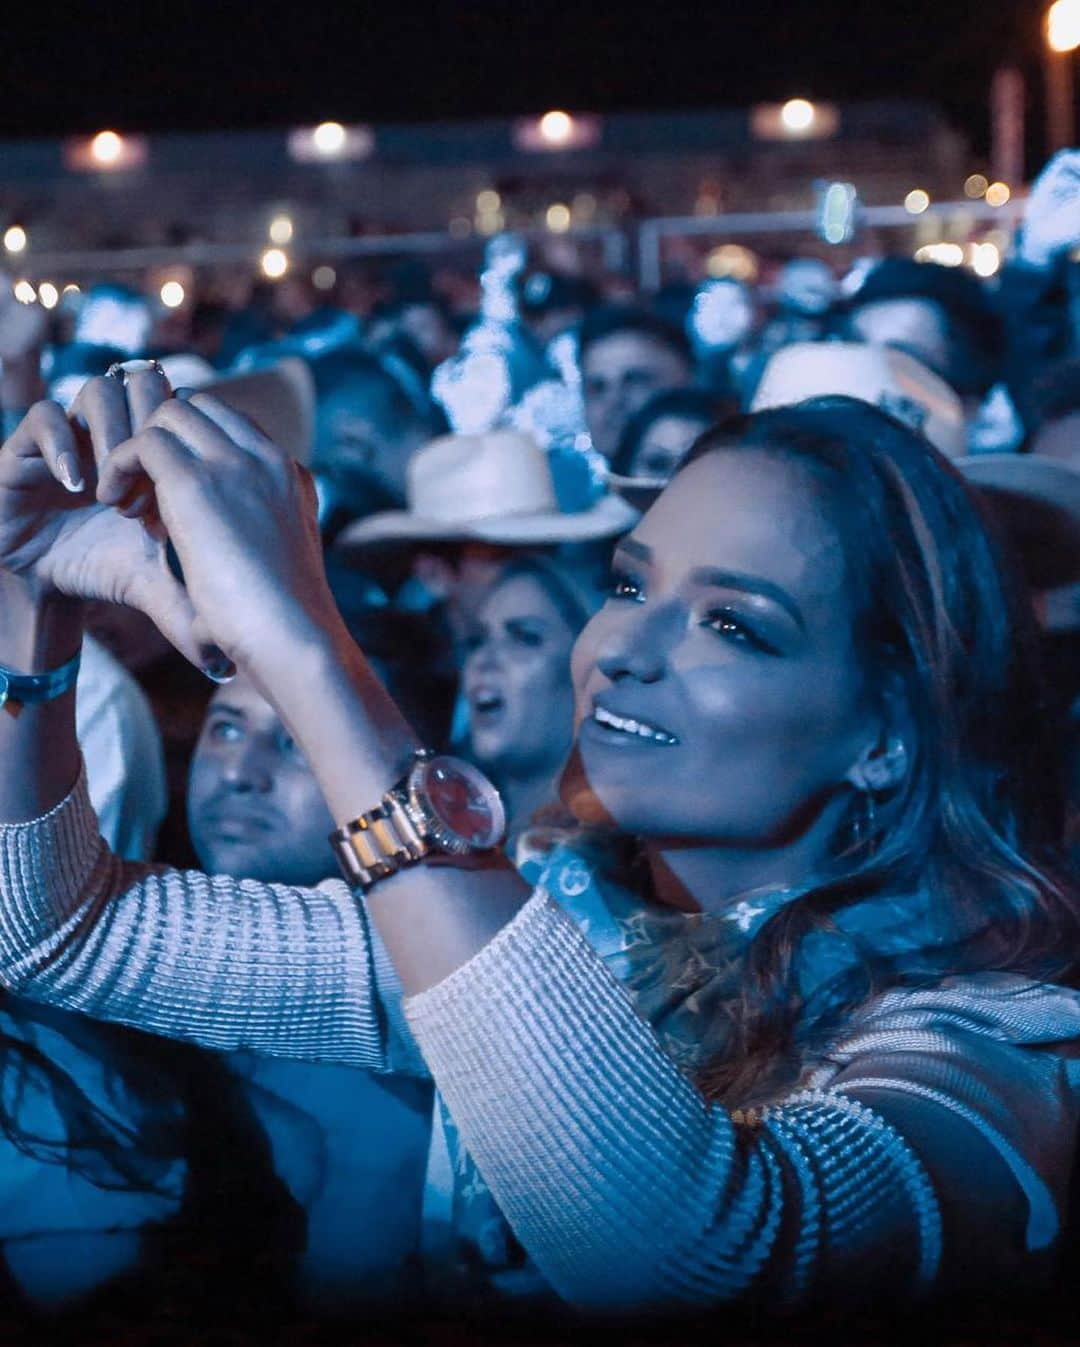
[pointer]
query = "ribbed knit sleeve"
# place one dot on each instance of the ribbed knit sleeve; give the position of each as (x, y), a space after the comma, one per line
(626, 1189)
(225, 963)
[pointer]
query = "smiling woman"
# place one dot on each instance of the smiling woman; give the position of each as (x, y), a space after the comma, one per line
(791, 1016)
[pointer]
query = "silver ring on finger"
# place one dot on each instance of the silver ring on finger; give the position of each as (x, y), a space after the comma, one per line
(122, 369)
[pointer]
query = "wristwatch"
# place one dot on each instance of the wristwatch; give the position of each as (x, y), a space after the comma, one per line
(442, 805)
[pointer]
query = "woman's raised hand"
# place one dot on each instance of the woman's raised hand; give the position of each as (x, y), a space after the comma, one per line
(241, 516)
(56, 538)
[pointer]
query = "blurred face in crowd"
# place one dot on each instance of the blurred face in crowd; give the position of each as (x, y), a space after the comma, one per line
(664, 446)
(620, 373)
(917, 326)
(352, 444)
(254, 808)
(718, 691)
(807, 286)
(516, 680)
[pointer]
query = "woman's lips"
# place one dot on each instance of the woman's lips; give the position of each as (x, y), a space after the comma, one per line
(614, 726)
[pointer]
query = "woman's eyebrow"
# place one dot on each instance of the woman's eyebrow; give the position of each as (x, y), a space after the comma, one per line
(635, 549)
(750, 584)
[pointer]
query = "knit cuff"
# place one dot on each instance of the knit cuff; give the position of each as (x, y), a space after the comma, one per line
(45, 866)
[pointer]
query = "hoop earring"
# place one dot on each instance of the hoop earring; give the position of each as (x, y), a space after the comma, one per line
(864, 828)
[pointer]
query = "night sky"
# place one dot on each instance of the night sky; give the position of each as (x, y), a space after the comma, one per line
(152, 66)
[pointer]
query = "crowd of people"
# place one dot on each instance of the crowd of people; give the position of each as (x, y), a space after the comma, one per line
(571, 806)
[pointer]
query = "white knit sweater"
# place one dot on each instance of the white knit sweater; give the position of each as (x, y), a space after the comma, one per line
(625, 1188)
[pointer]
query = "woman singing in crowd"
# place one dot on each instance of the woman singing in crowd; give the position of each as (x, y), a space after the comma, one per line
(790, 1016)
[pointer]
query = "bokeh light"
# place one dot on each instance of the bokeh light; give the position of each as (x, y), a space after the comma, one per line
(916, 201)
(172, 294)
(274, 264)
(15, 238)
(797, 115)
(106, 148)
(556, 127)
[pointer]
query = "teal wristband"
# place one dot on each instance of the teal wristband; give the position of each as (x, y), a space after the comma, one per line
(34, 689)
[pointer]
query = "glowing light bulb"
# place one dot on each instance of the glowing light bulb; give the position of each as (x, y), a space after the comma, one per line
(274, 263)
(329, 138)
(1063, 26)
(24, 292)
(106, 148)
(48, 295)
(15, 238)
(172, 294)
(797, 115)
(556, 127)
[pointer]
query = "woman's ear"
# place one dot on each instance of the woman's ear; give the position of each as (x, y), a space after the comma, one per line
(884, 764)
(883, 768)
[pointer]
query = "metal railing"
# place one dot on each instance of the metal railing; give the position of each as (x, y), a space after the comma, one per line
(642, 240)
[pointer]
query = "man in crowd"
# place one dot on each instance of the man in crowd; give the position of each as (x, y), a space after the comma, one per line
(627, 355)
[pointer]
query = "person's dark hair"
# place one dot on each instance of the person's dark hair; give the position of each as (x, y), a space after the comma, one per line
(230, 1251)
(607, 320)
(1055, 394)
(569, 589)
(977, 823)
(694, 404)
(384, 397)
(973, 323)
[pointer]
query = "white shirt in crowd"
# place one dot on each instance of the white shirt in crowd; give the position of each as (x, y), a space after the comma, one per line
(125, 765)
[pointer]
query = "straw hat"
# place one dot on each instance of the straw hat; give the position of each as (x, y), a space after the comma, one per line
(279, 399)
(493, 487)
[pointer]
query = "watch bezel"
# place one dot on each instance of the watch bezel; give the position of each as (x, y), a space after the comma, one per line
(435, 829)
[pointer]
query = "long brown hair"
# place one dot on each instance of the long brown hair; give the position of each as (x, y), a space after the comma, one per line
(978, 820)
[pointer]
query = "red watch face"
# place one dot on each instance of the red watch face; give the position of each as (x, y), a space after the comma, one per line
(463, 801)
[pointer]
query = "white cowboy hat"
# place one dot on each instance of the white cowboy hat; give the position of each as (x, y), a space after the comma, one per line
(1036, 501)
(892, 380)
(493, 487)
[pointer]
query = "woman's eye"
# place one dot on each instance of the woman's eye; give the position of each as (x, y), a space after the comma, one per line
(729, 625)
(625, 587)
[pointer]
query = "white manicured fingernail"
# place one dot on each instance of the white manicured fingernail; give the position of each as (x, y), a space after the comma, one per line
(68, 467)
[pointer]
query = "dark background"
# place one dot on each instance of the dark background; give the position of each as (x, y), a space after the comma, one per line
(154, 66)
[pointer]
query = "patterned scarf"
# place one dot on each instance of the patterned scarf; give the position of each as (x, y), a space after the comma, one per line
(681, 970)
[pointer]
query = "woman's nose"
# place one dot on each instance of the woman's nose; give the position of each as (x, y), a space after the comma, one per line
(637, 649)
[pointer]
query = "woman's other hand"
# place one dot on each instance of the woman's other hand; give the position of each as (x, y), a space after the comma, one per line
(56, 538)
(241, 515)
